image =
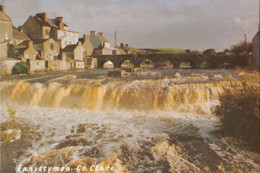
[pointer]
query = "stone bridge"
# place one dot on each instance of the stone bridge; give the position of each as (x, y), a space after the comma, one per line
(157, 60)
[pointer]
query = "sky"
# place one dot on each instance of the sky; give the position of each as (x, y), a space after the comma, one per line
(181, 24)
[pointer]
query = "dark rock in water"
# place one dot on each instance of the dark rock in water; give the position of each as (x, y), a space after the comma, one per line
(81, 128)
(12, 151)
(117, 73)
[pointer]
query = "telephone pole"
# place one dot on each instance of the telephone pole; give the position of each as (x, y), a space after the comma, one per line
(115, 40)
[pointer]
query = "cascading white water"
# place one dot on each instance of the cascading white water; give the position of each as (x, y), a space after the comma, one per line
(136, 126)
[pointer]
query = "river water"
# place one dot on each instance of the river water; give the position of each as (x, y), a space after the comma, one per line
(149, 123)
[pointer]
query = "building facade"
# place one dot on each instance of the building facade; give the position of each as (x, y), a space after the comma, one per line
(256, 50)
(6, 26)
(40, 27)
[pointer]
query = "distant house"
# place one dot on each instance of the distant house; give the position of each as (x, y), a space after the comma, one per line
(40, 27)
(74, 52)
(48, 49)
(125, 48)
(101, 44)
(6, 26)
(87, 45)
(28, 52)
(256, 50)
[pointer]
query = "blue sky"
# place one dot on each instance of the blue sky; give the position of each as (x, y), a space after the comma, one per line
(193, 24)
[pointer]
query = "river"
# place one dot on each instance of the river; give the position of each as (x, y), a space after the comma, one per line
(149, 121)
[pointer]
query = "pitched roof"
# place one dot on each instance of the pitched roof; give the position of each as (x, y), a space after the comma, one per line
(50, 22)
(69, 48)
(101, 38)
(19, 35)
(5, 17)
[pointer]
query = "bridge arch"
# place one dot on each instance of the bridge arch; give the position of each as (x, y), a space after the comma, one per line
(187, 63)
(126, 63)
(208, 64)
(107, 64)
(167, 63)
(146, 63)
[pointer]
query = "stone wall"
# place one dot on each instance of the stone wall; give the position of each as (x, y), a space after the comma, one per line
(58, 65)
(36, 65)
(79, 65)
(6, 65)
(3, 49)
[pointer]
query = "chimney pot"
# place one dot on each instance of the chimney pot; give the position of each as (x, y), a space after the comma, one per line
(30, 43)
(101, 33)
(2, 8)
(43, 16)
(92, 32)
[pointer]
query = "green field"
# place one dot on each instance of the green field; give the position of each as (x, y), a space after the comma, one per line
(169, 50)
(159, 50)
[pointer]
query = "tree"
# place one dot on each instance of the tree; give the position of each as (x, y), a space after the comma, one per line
(239, 114)
(12, 51)
(188, 51)
(20, 68)
(243, 48)
(242, 52)
(209, 52)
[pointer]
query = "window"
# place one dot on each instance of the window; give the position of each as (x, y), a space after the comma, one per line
(6, 36)
(51, 46)
(47, 31)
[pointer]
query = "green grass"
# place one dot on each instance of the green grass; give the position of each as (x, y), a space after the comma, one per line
(169, 50)
(159, 50)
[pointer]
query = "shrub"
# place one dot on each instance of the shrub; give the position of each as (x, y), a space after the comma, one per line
(239, 114)
(20, 68)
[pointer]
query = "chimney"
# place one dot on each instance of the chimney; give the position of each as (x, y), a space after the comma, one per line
(101, 33)
(43, 16)
(2, 8)
(41, 54)
(20, 28)
(93, 33)
(60, 21)
(121, 45)
(30, 43)
(126, 45)
(85, 37)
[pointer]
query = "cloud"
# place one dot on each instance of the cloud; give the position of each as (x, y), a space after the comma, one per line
(151, 23)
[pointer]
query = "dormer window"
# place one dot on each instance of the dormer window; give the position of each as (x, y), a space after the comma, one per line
(47, 32)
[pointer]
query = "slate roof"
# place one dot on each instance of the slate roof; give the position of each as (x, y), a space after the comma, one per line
(50, 22)
(19, 35)
(102, 39)
(69, 48)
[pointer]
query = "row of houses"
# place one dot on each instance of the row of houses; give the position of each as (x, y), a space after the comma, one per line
(42, 40)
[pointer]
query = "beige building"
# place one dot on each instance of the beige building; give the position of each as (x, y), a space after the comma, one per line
(3, 49)
(101, 44)
(256, 50)
(40, 27)
(27, 52)
(48, 49)
(76, 53)
(6, 26)
(87, 45)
